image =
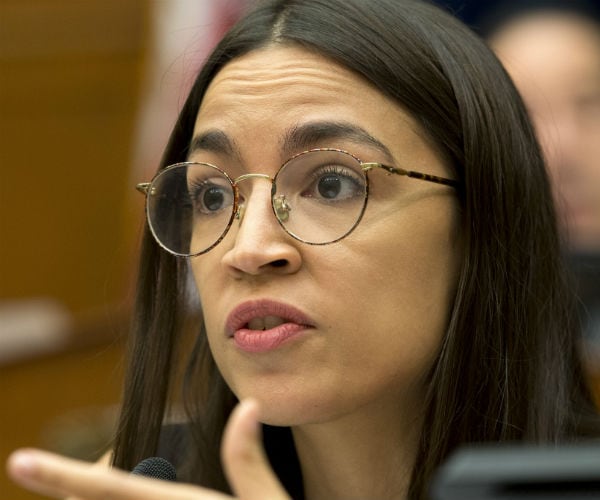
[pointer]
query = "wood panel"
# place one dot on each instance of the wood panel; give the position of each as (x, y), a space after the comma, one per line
(65, 402)
(70, 75)
(69, 80)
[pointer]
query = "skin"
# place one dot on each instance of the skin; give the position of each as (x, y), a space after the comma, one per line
(243, 457)
(379, 299)
(554, 60)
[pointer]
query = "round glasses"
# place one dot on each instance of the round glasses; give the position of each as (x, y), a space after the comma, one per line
(317, 196)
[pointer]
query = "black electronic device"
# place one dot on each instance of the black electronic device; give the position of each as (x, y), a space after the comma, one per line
(517, 472)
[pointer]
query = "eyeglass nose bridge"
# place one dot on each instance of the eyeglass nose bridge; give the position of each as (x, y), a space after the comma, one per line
(240, 208)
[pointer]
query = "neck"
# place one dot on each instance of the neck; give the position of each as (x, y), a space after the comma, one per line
(358, 456)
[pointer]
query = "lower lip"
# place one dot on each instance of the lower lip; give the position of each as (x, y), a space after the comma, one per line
(267, 340)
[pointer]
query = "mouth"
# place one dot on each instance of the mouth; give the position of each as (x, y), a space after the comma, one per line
(263, 325)
(261, 315)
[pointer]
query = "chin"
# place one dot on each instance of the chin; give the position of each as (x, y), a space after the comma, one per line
(289, 408)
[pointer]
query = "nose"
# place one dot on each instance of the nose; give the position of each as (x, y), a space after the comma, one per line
(261, 246)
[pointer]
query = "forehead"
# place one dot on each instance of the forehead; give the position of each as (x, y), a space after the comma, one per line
(283, 72)
(268, 91)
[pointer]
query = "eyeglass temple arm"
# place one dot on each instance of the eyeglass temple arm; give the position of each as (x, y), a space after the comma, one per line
(412, 173)
(143, 187)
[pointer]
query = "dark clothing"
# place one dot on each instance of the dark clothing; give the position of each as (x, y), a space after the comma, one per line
(278, 443)
(586, 268)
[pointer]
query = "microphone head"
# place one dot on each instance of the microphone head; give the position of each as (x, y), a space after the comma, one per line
(157, 468)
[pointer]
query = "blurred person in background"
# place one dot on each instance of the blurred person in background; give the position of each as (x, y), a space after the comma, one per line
(552, 51)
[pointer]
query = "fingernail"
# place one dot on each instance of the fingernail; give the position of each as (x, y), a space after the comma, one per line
(22, 463)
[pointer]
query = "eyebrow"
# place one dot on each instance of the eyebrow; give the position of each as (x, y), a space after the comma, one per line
(214, 141)
(297, 139)
(309, 135)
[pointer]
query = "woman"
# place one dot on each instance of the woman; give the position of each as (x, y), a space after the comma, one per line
(374, 321)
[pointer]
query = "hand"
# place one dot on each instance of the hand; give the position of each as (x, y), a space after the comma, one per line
(244, 459)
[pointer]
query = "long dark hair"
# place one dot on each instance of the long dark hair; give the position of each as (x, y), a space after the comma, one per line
(508, 368)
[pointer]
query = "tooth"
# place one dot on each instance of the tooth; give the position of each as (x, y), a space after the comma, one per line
(273, 321)
(265, 323)
(256, 324)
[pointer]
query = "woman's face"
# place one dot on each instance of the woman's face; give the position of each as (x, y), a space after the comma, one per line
(319, 332)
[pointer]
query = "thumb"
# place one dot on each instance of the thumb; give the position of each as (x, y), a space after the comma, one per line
(244, 458)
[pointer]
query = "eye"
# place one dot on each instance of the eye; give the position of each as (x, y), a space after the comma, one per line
(211, 196)
(335, 183)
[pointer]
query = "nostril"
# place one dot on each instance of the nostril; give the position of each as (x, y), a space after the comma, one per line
(279, 263)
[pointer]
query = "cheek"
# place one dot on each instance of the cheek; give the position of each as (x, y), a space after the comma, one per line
(396, 314)
(411, 263)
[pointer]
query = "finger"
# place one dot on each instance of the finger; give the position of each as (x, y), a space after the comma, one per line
(59, 477)
(244, 459)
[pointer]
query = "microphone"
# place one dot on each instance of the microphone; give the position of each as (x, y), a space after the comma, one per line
(157, 468)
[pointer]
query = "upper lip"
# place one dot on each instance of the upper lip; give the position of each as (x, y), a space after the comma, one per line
(247, 311)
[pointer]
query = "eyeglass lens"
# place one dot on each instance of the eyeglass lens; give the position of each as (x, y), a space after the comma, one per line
(318, 197)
